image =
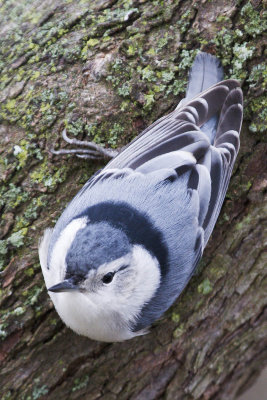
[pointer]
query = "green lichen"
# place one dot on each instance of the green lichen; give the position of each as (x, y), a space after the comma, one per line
(176, 317)
(7, 395)
(11, 105)
(21, 154)
(29, 272)
(242, 224)
(167, 76)
(3, 253)
(19, 311)
(49, 176)
(114, 133)
(205, 287)
(152, 81)
(89, 44)
(80, 383)
(149, 101)
(184, 22)
(124, 90)
(37, 108)
(177, 87)
(30, 213)
(242, 53)
(3, 332)
(223, 18)
(26, 150)
(75, 127)
(187, 57)
(254, 22)
(32, 295)
(132, 49)
(12, 196)
(7, 315)
(39, 391)
(258, 75)
(92, 42)
(258, 108)
(147, 73)
(179, 331)
(17, 238)
(3, 247)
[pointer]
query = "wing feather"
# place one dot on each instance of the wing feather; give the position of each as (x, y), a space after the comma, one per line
(176, 142)
(186, 118)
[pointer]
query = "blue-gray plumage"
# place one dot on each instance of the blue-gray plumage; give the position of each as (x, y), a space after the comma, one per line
(128, 243)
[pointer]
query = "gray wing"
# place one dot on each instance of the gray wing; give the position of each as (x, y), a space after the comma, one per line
(172, 141)
(179, 130)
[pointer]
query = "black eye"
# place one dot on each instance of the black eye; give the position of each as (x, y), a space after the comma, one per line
(108, 277)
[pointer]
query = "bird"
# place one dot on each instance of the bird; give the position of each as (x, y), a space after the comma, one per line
(127, 245)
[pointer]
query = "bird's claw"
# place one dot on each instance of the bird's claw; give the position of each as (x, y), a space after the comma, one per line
(93, 152)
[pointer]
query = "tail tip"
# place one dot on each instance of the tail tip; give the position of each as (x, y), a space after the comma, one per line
(203, 57)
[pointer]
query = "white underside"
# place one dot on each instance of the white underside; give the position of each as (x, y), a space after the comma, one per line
(86, 318)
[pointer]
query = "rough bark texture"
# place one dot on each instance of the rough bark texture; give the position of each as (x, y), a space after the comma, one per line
(106, 69)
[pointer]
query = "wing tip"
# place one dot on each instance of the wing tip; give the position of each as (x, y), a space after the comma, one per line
(230, 83)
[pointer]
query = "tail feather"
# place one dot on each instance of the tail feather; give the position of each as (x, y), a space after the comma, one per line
(205, 72)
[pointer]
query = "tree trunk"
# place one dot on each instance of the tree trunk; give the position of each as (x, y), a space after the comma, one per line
(105, 70)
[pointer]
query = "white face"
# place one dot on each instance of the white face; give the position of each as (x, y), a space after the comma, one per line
(104, 308)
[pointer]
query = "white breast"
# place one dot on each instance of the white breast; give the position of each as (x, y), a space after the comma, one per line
(88, 319)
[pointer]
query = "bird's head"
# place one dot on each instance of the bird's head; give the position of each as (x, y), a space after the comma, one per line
(97, 275)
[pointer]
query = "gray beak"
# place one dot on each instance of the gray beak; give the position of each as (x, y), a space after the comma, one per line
(64, 286)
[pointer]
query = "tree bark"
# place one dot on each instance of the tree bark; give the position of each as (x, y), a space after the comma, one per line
(105, 70)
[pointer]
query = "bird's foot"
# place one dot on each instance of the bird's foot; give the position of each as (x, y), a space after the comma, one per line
(92, 151)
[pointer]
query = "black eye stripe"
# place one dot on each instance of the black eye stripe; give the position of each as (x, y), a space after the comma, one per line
(107, 278)
(123, 267)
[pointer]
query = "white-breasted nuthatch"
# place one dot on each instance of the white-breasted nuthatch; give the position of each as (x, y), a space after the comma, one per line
(127, 244)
